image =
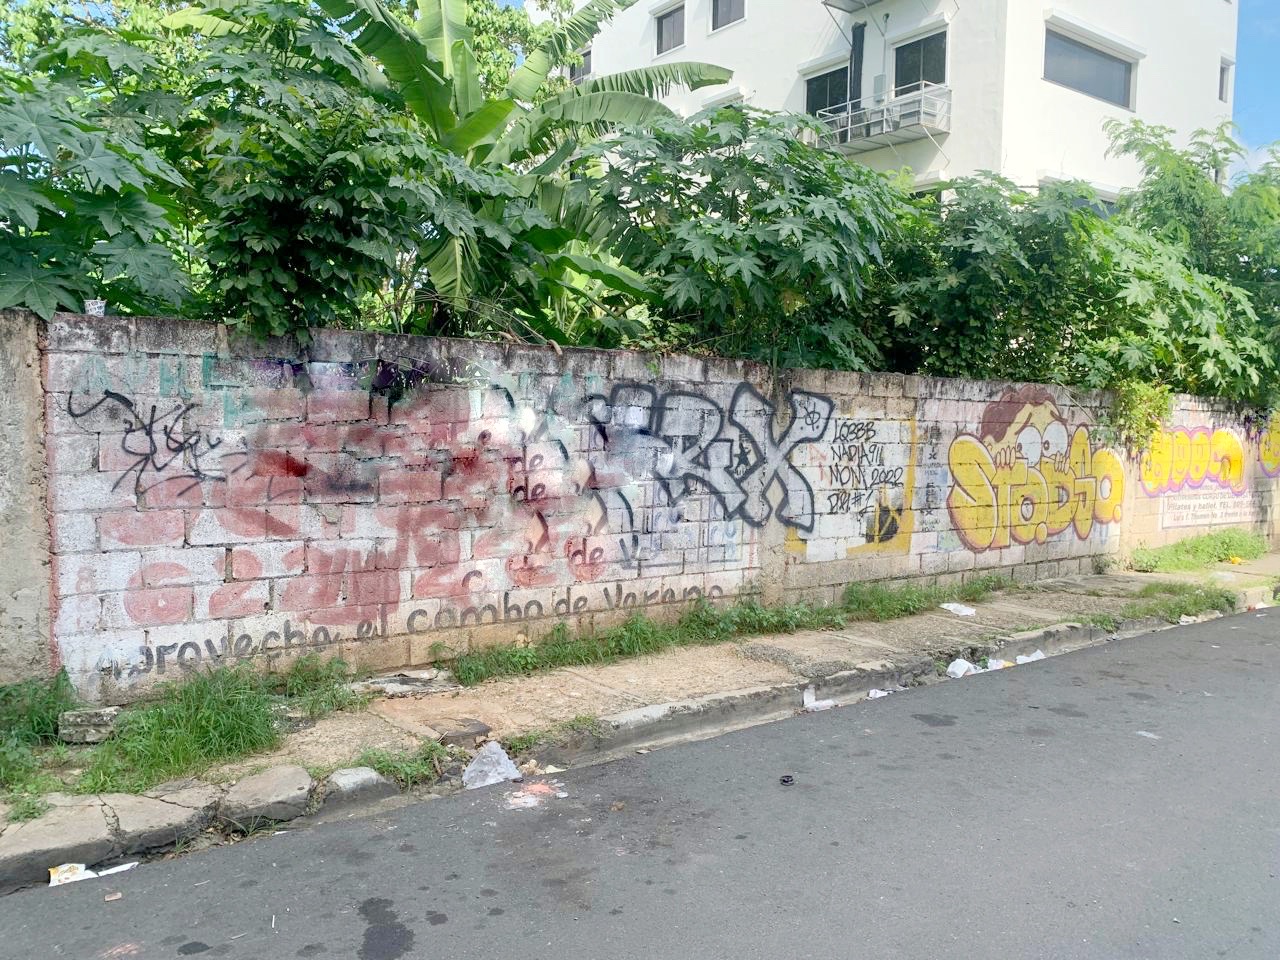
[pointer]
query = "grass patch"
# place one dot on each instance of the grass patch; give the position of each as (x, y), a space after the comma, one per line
(318, 687)
(705, 624)
(1169, 602)
(411, 768)
(1198, 552)
(213, 717)
(29, 710)
(29, 720)
(560, 733)
(701, 625)
(879, 602)
(210, 717)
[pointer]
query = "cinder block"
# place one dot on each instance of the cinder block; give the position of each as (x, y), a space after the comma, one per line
(277, 558)
(73, 532)
(78, 332)
(124, 529)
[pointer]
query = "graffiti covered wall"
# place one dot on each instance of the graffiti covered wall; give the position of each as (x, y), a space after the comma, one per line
(392, 499)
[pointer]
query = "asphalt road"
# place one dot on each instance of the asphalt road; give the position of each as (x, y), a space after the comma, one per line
(1118, 802)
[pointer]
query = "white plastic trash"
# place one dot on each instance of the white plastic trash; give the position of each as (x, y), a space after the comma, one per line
(489, 766)
(959, 609)
(877, 694)
(1030, 658)
(961, 668)
(811, 702)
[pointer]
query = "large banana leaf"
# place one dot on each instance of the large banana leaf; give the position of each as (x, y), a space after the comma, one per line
(420, 80)
(657, 81)
(595, 111)
(614, 276)
(468, 92)
(441, 24)
(575, 32)
(200, 18)
(480, 126)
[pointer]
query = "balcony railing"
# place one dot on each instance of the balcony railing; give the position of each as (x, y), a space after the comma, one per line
(913, 115)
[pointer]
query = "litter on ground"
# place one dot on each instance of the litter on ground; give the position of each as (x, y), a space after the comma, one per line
(961, 668)
(1029, 658)
(489, 766)
(811, 702)
(960, 610)
(71, 872)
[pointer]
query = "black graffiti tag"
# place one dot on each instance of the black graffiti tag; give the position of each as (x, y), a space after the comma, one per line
(154, 442)
(754, 415)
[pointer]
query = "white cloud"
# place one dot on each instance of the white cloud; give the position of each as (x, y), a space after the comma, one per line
(1252, 161)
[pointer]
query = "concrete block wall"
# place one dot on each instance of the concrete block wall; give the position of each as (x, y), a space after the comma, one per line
(393, 500)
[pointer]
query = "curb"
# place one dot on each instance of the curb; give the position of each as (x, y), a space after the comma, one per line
(643, 728)
(701, 718)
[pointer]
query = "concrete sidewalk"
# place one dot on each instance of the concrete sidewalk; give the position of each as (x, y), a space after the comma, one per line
(699, 691)
(587, 714)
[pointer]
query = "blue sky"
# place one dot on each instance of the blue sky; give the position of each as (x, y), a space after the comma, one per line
(1257, 111)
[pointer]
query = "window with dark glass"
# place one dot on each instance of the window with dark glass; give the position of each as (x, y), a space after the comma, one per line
(1087, 69)
(826, 90)
(580, 72)
(918, 63)
(725, 12)
(671, 30)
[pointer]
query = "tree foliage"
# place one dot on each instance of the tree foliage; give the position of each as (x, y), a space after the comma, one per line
(758, 241)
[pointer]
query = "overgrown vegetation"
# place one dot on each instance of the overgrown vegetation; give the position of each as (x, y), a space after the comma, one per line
(582, 725)
(705, 624)
(408, 768)
(428, 168)
(876, 601)
(208, 718)
(1196, 553)
(1169, 602)
(28, 724)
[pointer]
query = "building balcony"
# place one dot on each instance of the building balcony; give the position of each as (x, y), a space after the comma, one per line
(917, 115)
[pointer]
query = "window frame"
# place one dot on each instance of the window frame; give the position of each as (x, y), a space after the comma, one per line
(663, 14)
(944, 32)
(809, 78)
(586, 68)
(1226, 80)
(1131, 66)
(725, 26)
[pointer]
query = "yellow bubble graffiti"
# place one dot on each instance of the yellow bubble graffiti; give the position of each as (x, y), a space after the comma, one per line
(994, 506)
(1269, 448)
(1182, 458)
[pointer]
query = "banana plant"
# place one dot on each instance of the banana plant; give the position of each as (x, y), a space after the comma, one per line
(430, 66)
(433, 68)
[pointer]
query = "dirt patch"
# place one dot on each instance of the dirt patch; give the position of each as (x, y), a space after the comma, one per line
(516, 705)
(329, 743)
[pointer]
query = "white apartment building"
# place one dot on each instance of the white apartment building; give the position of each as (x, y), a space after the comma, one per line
(951, 87)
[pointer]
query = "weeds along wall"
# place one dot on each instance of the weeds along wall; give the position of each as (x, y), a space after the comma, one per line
(202, 501)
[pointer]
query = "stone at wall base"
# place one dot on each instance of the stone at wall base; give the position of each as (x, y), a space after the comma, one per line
(87, 726)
